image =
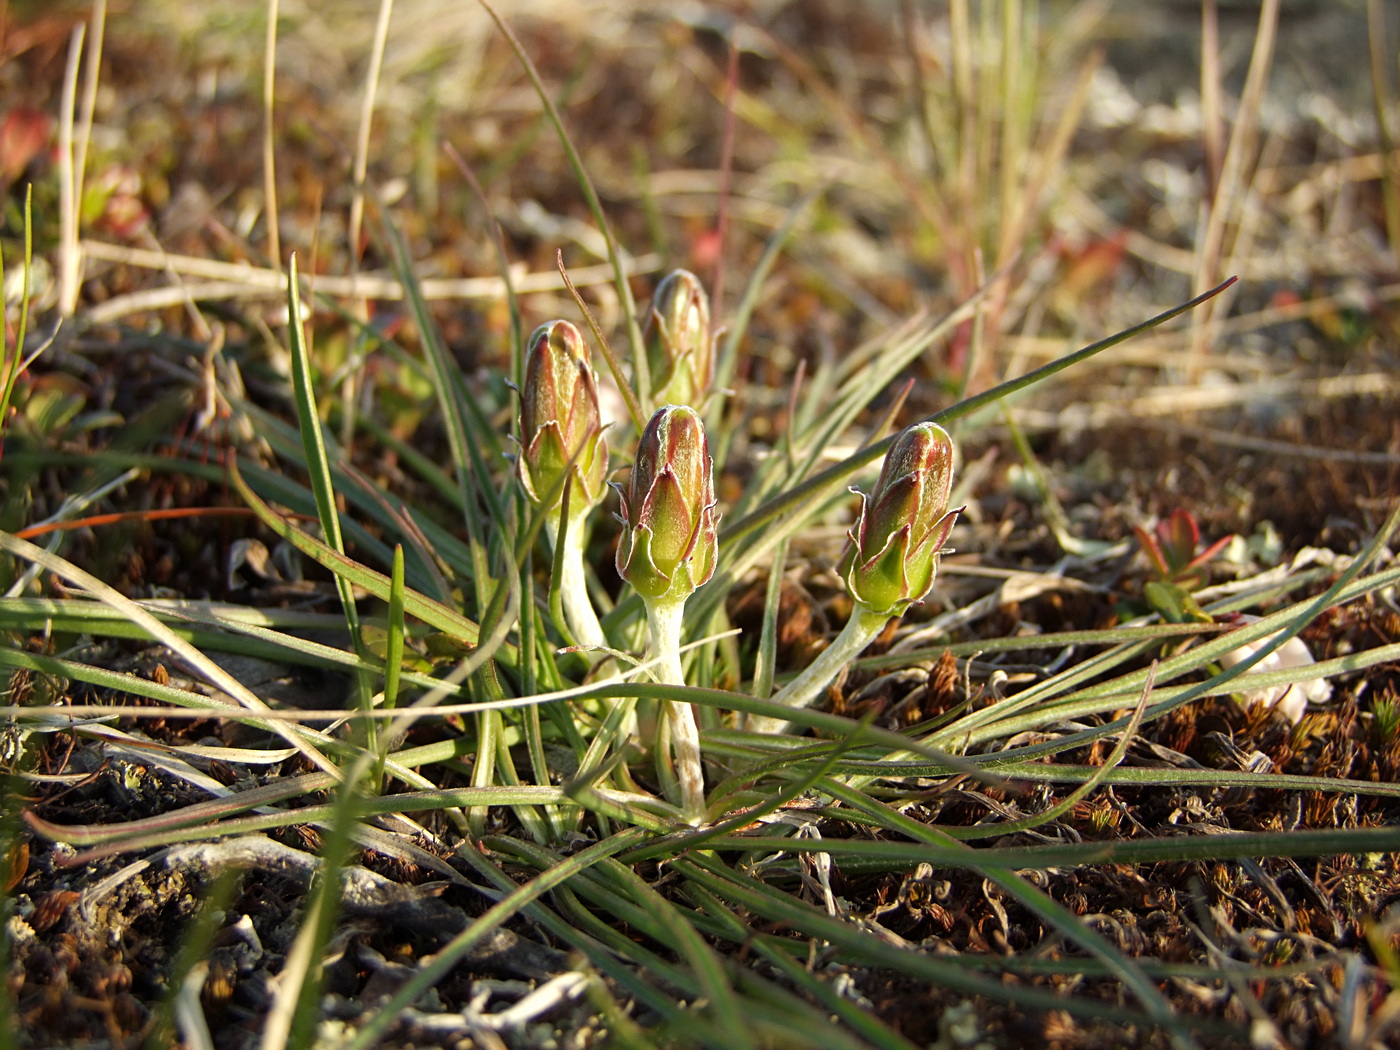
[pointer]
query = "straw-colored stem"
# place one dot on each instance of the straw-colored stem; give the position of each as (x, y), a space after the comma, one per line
(274, 239)
(860, 631)
(664, 627)
(69, 182)
(359, 306)
(1384, 100)
(1223, 210)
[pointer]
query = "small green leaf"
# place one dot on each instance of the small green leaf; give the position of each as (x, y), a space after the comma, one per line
(1174, 603)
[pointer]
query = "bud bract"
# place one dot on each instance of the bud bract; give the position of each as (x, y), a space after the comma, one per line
(669, 540)
(893, 548)
(680, 354)
(559, 419)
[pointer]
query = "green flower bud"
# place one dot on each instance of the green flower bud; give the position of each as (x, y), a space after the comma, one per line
(892, 556)
(680, 353)
(559, 418)
(669, 542)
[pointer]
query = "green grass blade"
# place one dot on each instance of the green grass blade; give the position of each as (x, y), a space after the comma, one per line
(393, 657)
(885, 856)
(296, 1003)
(445, 619)
(768, 633)
(11, 365)
(313, 442)
(832, 475)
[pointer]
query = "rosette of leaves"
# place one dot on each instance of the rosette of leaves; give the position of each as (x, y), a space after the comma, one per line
(1178, 565)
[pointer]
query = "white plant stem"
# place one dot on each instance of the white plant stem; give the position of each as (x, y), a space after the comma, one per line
(573, 583)
(860, 630)
(664, 626)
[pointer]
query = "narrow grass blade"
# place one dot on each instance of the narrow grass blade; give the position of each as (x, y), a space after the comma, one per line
(296, 1002)
(884, 856)
(768, 634)
(317, 465)
(393, 662)
(445, 619)
(832, 475)
(13, 363)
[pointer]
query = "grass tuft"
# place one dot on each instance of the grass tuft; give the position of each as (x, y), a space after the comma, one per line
(976, 757)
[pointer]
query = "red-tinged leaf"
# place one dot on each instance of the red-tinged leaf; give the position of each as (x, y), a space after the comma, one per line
(1150, 547)
(24, 133)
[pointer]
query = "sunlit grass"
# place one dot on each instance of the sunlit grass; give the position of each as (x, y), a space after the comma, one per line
(733, 919)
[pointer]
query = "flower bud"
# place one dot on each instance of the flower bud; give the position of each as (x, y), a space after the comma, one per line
(680, 354)
(669, 542)
(899, 533)
(559, 418)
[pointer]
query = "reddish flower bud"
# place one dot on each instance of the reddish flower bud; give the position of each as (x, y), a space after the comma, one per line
(669, 541)
(899, 533)
(680, 353)
(559, 419)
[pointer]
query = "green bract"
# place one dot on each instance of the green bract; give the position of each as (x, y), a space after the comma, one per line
(680, 353)
(558, 418)
(894, 545)
(669, 542)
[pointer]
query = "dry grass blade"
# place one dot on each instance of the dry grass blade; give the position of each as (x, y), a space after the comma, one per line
(213, 673)
(1226, 205)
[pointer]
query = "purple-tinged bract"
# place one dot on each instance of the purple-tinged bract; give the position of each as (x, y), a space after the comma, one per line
(669, 539)
(892, 554)
(680, 351)
(559, 419)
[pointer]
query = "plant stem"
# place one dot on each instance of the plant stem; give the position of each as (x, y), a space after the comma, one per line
(860, 631)
(573, 583)
(664, 626)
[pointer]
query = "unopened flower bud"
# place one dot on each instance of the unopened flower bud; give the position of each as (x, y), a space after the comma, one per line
(669, 540)
(559, 419)
(899, 533)
(680, 354)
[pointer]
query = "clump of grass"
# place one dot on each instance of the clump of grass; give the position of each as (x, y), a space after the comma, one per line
(600, 761)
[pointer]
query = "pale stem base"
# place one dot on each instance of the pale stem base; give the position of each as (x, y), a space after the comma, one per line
(664, 626)
(573, 583)
(860, 630)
